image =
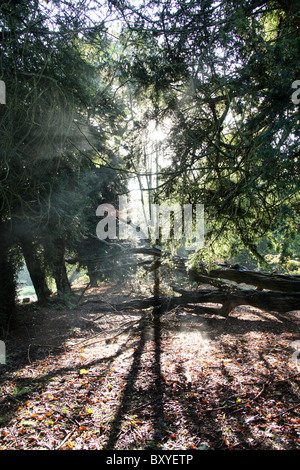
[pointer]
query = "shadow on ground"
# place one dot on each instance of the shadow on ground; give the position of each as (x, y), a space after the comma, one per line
(179, 379)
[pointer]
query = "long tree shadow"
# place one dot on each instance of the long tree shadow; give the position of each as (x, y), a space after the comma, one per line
(158, 407)
(156, 387)
(128, 392)
(27, 387)
(156, 393)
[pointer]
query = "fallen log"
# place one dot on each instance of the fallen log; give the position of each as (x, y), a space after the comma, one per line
(259, 279)
(280, 302)
(275, 292)
(262, 280)
(269, 301)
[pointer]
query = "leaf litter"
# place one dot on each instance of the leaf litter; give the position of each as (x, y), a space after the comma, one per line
(91, 379)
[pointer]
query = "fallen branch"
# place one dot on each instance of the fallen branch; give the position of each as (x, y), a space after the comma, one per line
(268, 301)
(262, 280)
(286, 411)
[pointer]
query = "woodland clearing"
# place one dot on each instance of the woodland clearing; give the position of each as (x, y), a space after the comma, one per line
(90, 377)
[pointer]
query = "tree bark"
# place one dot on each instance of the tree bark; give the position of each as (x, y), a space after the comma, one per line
(35, 269)
(59, 271)
(7, 280)
(92, 273)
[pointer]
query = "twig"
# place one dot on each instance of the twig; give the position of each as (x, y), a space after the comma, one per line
(261, 391)
(144, 405)
(84, 291)
(108, 339)
(42, 443)
(66, 438)
(241, 408)
(131, 324)
(28, 355)
(286, 411)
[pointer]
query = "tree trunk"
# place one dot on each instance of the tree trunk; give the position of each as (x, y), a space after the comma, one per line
(7, 280)
(35, 269)
(60, 273)
(92, 273)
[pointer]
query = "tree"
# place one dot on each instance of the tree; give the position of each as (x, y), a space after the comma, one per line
(56, 125)
(223, 74)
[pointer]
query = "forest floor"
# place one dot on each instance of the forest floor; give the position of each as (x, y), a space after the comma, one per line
(88, 377)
